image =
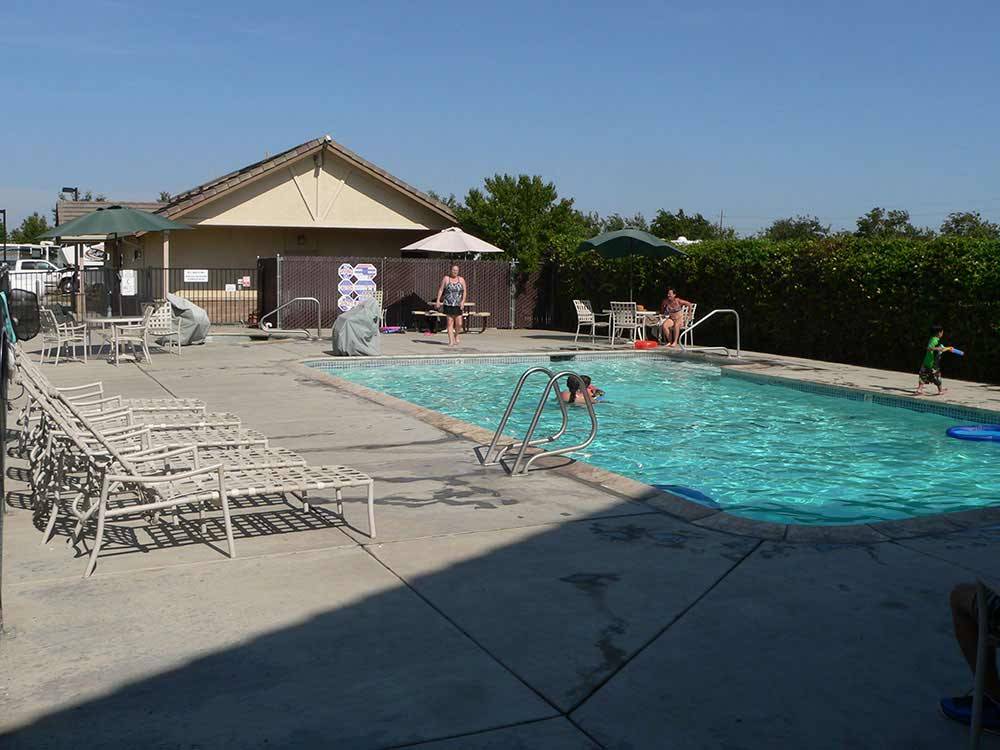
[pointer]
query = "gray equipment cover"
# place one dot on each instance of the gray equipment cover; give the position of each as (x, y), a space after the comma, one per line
(355, 332)
(194, 320)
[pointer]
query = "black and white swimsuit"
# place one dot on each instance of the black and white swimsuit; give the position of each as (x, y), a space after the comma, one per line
(452, 300)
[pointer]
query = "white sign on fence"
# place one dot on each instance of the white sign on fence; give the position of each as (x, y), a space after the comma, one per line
(196, 275)
(128, 282)
(230, 287)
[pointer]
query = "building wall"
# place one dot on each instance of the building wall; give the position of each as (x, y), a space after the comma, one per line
(239, 247)
(321, 190)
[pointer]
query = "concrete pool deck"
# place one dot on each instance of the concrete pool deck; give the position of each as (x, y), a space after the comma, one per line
(543, 612)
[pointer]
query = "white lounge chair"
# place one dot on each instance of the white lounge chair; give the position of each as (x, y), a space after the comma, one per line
(74, 463)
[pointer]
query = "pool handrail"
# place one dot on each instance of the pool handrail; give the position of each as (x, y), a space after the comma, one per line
(687, 332)
(484, 458)
(517, 469)
(319, 318)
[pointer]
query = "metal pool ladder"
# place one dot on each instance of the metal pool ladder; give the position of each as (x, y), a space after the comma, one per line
(520, 465)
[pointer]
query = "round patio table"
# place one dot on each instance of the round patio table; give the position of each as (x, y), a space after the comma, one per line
(100, 322)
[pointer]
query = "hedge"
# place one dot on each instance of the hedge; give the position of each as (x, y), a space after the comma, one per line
(855, 300)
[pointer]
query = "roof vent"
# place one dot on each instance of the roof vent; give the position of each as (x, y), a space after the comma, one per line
(327, 138)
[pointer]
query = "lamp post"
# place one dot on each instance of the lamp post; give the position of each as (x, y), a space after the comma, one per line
(4, 212)
(77, 282)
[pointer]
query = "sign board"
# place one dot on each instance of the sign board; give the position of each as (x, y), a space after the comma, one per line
(355, 282)
(230, 287)
(246, 282)
(128, 283)
(196, 275)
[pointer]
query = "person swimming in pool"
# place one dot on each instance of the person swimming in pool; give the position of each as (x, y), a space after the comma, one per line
(575, 388)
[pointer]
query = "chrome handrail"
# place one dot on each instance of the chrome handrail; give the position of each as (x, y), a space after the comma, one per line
(484, 458)
(516, 469)
(687, 332)
(319, 317)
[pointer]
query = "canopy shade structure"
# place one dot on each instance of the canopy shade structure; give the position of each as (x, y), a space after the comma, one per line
(453, 240)
(627, 242)
(116, 220)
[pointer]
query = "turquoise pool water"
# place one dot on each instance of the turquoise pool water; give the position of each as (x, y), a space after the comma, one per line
(761, 451)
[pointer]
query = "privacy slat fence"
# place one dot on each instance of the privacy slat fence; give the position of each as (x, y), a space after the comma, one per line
(407, 284)
(240, 296)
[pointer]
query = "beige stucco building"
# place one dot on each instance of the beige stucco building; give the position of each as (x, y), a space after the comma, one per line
(317, 198)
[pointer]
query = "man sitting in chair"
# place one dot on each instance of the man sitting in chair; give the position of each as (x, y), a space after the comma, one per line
(673, 318)
(965, 617)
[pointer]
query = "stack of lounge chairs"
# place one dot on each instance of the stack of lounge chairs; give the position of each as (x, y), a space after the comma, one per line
(94, 457)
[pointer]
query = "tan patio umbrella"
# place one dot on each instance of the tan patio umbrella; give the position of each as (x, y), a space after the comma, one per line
(453, 240)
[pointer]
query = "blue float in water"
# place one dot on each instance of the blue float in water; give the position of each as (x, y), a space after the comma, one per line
(979, 432)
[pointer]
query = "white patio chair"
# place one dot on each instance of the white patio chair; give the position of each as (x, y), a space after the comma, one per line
(163, 325)
(624, 318)
(585, 316)
(378, 295)
(687, 336)
(131, 335)
(56, 335)
(984, 643)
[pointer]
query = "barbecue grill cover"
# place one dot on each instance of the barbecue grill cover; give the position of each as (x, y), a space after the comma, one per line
(355, 332)
(194, 320)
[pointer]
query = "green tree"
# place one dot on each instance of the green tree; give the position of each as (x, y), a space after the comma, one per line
(670, 226)
(614, 222)
(31, 229)
(164, 197)
(451, 201)
(524, 216)
(970, 224)
(796, 228)
(895, 223)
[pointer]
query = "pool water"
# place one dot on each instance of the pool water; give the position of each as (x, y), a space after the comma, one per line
(756, 450)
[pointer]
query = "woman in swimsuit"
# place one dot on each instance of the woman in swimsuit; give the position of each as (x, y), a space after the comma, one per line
(673, 317)
(454, 290)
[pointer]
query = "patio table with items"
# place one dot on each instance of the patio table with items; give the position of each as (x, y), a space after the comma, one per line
(645, 317)
(437, 316)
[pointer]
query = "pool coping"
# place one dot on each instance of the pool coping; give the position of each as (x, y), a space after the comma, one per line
(661, 500)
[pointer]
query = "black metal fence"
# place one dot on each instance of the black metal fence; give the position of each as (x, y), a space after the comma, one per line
(228, 295)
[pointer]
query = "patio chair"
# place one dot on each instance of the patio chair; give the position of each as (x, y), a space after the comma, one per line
(163, 326)
(585, 316)
(687, 336)
(624, 318)
(56, 335)
(132, 334)
(984, 642)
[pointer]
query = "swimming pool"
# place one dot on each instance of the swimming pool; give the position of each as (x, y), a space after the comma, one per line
(765, 452)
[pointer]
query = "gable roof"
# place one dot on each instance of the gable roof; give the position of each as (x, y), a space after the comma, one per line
(183, 202)
(69, 210)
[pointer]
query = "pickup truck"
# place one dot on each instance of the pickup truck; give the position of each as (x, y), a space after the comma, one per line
(34, 275)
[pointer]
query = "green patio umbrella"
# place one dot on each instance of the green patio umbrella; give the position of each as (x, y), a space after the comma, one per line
(114, 220)
(628, 243)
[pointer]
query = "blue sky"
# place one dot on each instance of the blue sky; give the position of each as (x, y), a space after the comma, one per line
(760, 109)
